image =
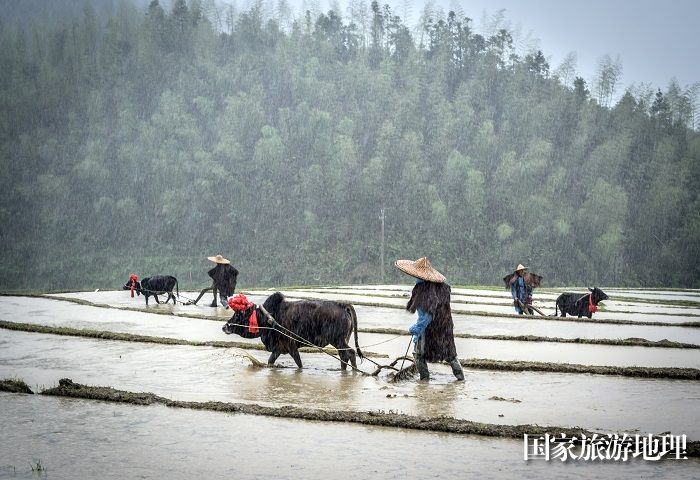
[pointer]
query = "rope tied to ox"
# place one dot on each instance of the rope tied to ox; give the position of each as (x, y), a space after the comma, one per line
(240, 303)
(592, 307)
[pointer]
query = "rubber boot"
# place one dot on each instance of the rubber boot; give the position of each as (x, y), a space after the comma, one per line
(422, 368)
(457, 369)
(419, 360)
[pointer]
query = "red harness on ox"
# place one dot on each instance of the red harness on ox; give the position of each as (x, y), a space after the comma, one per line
(592, 308)
(133, 278)
(240, 303)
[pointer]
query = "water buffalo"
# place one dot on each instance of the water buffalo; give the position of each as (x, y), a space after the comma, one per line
(579, 304)
(315, 321)
(155, 285)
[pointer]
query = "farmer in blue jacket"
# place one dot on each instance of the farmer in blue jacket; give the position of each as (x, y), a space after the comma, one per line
(519, 288)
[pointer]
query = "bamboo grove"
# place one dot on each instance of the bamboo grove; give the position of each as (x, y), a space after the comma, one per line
(145, 139)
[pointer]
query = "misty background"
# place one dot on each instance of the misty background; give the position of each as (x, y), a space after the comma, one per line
(144, 136)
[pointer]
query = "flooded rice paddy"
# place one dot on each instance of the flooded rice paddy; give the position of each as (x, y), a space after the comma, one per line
(54, 430)
(83, 439)
(41, 311)
(204, 373)
(630, 312)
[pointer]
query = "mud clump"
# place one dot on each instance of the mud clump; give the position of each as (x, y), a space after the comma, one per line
(12, 385)
(501, 399)
(641, 372)
(67, 388)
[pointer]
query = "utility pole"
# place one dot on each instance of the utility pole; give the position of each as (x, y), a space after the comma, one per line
(381, 251)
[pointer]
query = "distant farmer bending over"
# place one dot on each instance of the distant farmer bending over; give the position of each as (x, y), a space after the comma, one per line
(224, 277)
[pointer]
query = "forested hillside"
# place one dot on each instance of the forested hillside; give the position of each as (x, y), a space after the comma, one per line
(145, 140)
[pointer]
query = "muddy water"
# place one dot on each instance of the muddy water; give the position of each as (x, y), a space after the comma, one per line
(120, 298)
(393, 289)
(41, 311)
(615, 306)
(642, 312)
(480, 325)
(202, 373)
(111, 439)
(57, 313)
(378, 317)
(472, 308)
(644, 317)
(53, 312)
(83, 439)
(543, 301)
(691, 296)
(587, 354)
(484, 296)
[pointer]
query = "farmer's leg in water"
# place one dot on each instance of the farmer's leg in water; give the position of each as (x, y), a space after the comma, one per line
(213, 302)
(421, 364)
(223, 297)
(457, 368)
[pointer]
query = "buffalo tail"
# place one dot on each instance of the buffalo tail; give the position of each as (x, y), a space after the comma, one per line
(351, 310)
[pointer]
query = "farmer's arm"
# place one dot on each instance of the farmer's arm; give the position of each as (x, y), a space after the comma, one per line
(417, 329)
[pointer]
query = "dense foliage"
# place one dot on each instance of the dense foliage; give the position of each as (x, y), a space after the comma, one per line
(146, 140)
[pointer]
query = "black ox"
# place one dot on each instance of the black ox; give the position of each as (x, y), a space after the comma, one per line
(318, 322)
(579, 304)
(155, 285)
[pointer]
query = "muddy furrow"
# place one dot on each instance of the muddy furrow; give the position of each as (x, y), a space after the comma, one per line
(641, 372)
(130, 337)
(447, 424)
(611, 321)
(504, 301)
(626, 342)
(384, 305)
(486, 364)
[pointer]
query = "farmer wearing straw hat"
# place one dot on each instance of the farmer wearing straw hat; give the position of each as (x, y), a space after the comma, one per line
(432, 332)
(224, 277)
(518, 288)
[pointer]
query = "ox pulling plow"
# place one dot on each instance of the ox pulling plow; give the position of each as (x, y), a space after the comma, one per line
(397, 374)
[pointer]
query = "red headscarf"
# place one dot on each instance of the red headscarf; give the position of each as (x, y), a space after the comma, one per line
(133, 278)
(240, 303)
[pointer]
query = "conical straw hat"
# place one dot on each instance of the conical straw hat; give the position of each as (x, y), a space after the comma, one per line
(420, 268)
(219, 259)
(521, 267)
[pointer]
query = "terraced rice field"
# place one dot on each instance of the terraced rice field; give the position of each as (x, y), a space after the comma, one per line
(634, 367)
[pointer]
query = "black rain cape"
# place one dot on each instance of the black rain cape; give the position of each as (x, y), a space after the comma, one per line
(224, 277)
(434, 298)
